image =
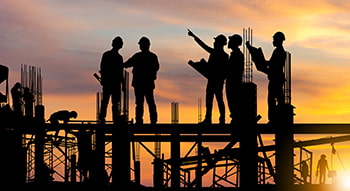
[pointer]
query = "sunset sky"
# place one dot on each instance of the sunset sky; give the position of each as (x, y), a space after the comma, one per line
(67, 38)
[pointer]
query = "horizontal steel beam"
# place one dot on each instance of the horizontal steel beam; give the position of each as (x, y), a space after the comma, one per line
(191, 132)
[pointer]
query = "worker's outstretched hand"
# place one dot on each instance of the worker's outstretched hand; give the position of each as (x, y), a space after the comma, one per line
(190, 33)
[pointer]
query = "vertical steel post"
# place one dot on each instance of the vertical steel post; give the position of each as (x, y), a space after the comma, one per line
(175, 148)
(198, 178)
(175, 161)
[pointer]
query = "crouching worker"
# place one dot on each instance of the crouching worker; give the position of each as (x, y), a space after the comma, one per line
(62, 115)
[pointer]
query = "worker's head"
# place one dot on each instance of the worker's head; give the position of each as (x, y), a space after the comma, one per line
(17, 85)
(74, 114)
(234, 41)
(117, 42)
(323, 156)
(220, 41)
(144, 43)
(278, 38)
(26, 90)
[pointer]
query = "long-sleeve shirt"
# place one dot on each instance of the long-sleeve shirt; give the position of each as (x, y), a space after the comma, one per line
(276, 64)
(145, 67)
(111, 68)
(235, 67)
(217, 61)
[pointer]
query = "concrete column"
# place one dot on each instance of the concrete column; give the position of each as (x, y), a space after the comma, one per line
(247, 134)
(284, 147)
(121, 157)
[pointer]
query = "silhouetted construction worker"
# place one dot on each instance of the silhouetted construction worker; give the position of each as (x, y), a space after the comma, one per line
(17, 95)
(304, 171)
(234, 76)
(28, 98)
(274, 68)
(111, 70)
(62, 115)
(217, 62)
(145, 68)
(322, 168)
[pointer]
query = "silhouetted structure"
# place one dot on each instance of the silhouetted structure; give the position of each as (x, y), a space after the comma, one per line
(16, 93)
(84, 140)
(29, 100)
(215, 73)
(274, 68)
(304, 171)
(111, 70)
(234, 76)
(322, 168)
(243, 168)
(47, 173)
(145, 68)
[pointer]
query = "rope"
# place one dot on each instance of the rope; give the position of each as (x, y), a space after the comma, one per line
(337, 153)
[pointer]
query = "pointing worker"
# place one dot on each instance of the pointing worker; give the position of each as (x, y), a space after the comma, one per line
(216, 75)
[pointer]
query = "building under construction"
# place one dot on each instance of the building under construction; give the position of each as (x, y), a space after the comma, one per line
(88, 154)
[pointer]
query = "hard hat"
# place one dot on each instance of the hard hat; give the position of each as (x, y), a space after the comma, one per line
(221, 39)
(74, 114)
(117, 40)
(144, 40)
(236, 38)
(279, 35)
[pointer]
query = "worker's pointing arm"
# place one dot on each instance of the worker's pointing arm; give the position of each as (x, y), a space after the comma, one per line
(199, 41)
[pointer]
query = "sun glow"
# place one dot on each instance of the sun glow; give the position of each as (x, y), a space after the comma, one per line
(344, 181)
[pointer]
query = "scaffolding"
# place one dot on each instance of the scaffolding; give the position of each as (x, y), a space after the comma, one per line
(59, 154)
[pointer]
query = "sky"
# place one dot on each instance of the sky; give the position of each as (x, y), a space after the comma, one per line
(66, 39)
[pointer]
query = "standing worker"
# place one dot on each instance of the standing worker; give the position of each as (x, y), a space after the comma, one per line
(216, 75)
(145, 68)
(322, 168)
(274, 68)
(111, 70)
(235, 69)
